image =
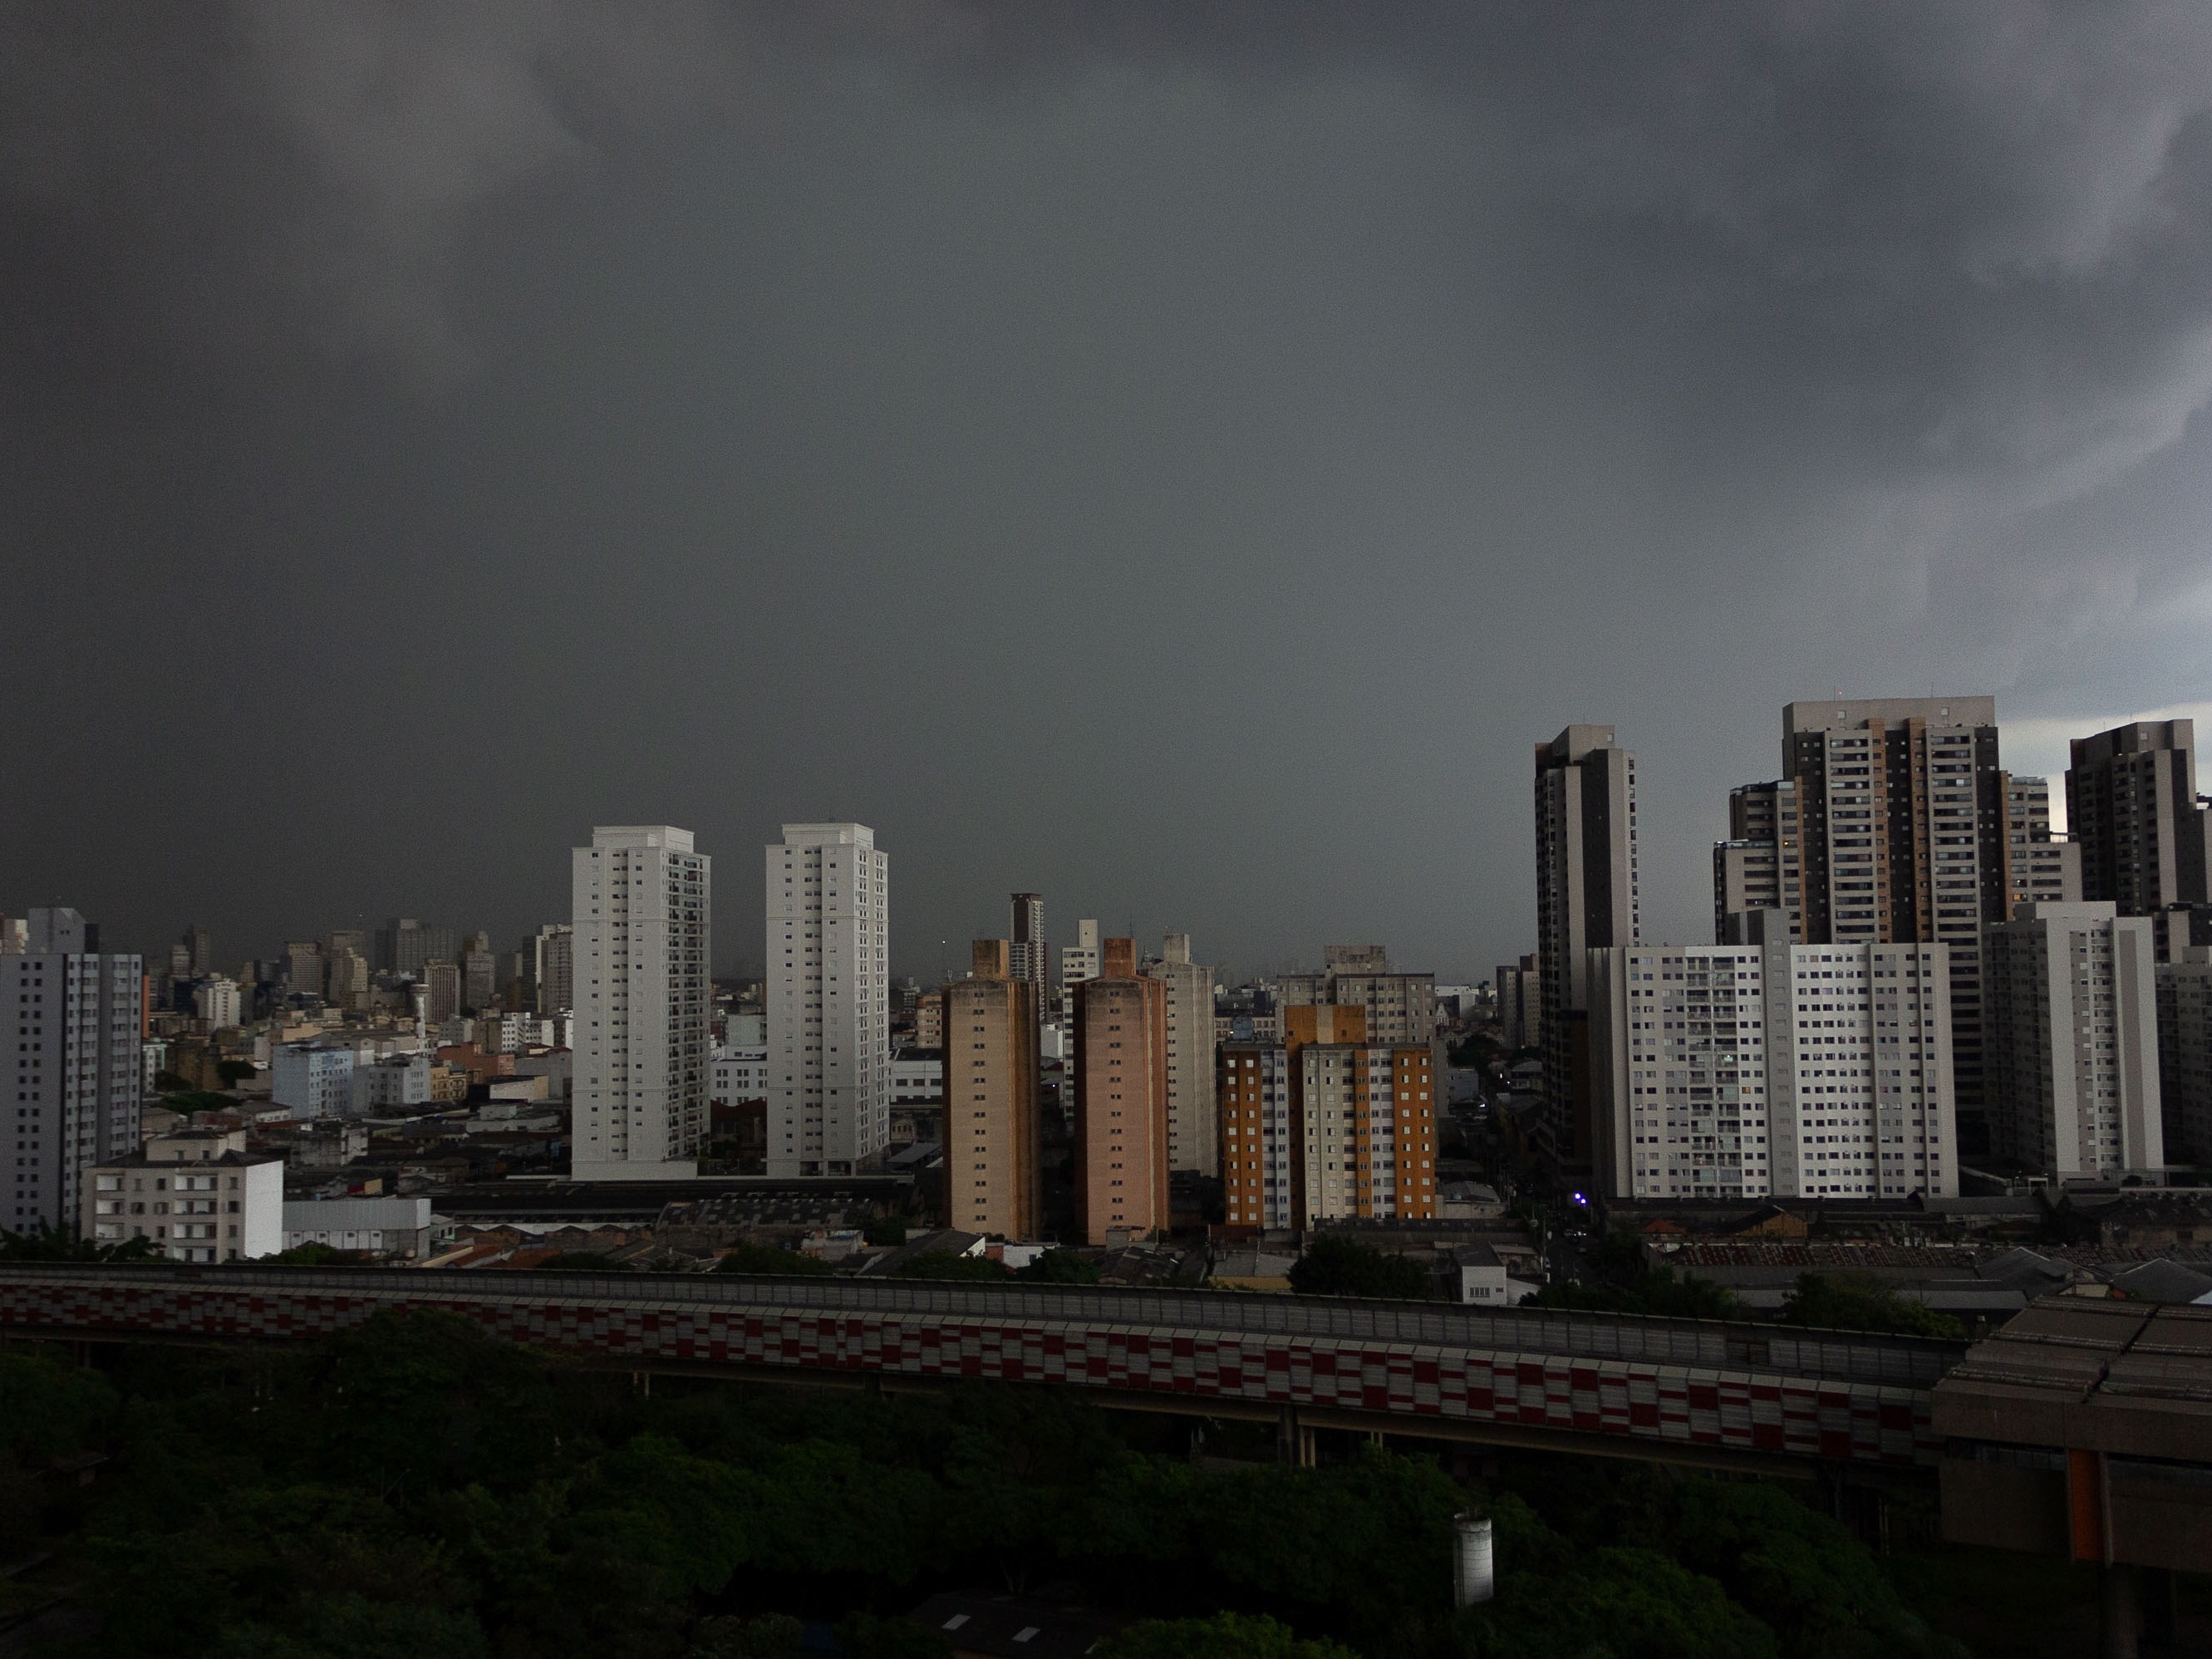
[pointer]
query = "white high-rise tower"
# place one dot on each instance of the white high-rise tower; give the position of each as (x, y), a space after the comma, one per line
(77, 1018)
(642, 1001)
(828, 999)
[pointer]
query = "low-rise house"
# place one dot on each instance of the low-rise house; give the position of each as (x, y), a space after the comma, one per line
(373, 1226)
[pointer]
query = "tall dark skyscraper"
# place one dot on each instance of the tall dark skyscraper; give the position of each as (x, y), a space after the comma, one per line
(1586, 896)
(2132, 808)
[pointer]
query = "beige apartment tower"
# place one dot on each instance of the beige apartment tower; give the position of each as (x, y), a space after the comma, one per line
(1193, 1128)
(1120, 1070)
(991, 1097)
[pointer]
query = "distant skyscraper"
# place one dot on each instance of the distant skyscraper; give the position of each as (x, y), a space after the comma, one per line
(79, 1017)
(441, 982)
(1120, 1072)
(642, 1064)
(990, 1094)
(1519, 1004)
(1586, 897)
(2072, 992)
(1078, 961)
(1193, 1129)
(828, 999)
(555, 947)
(215, 1000)
(346, 981)
(2132, 808)
(303, 968)
(1026, 947)
(199, 946)
(479, 974)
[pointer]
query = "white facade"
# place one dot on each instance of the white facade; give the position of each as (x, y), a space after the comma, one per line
(918, 1079)
(643, 1001)
(828, 999)
(76, 1066)
(2073, 1051)
(1773, 1070)
(1078, 961)
(1678, 1072)
(1864, 1102)
(199, 1196)
(1194, 1122)
(740, 1073)
(309, 1080)
(215, 1001)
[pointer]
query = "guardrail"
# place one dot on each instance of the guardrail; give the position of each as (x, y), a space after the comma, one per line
(1907, 1362)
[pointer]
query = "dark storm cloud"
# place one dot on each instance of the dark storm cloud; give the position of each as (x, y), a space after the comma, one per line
(1177, 457)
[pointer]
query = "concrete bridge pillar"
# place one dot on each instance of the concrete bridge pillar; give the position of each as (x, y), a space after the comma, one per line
(1294, 1441)
(2119, 1595)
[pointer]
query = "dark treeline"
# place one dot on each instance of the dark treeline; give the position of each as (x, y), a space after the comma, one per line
(417, 1488)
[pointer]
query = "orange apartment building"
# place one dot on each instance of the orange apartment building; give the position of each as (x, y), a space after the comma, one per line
(1325, 1125)
(990, 1047)
(1120, 1065)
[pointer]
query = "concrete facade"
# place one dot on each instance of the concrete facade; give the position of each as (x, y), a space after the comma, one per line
(990, 1096)
(642, 897)
(1587, 897)
(77, 1016)
(2185, 1054)
(1120, 1070)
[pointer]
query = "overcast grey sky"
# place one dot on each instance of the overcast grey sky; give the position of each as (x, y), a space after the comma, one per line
(1176, 457)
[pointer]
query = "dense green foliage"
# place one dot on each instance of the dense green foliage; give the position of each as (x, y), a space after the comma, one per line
(1852, 1302)
(1224, 1635)
(1060, 1268)
(884, 1230)
(767, 1258)
(1337, 1264)
(45, 1243)
(944, 1264)
(1616, 1280)
(417, 1489)
(187, 1100)
(312, 1255)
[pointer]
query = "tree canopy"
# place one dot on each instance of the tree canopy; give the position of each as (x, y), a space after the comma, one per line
(1855, 1302)
(767, 1258)
(1337, 1264)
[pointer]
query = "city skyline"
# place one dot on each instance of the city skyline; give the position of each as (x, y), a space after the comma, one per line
(1676, 898)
